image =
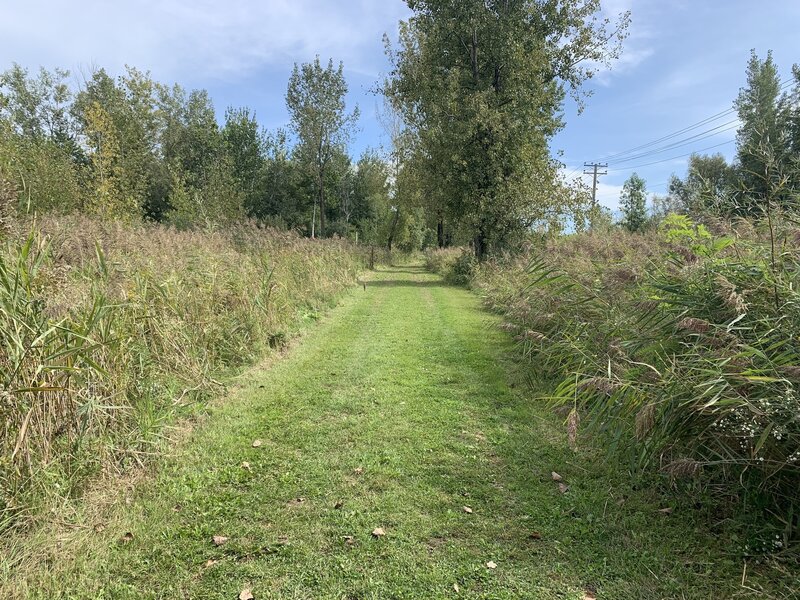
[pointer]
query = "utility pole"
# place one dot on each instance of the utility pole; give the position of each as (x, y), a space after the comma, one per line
(595, 173)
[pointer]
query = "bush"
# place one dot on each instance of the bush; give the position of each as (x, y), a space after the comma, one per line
(110, 330)
(456, 265)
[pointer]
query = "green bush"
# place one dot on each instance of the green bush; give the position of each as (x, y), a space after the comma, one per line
(456, 265)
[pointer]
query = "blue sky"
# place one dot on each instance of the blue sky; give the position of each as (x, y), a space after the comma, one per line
(683, 62)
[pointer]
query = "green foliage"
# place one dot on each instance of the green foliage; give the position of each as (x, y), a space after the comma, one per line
(633, 203)
(316, 102)
(480, 86)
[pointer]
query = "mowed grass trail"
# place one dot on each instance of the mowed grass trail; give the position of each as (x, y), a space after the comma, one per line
(396, 412)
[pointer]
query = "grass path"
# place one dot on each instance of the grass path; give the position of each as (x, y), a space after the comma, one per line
(395, 413)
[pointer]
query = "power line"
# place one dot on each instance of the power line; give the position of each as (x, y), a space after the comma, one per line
(672, 135)
(707, 120)
(671, 158)
(709, 133)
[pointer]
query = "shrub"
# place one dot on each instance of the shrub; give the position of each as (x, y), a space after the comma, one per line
(454, 264)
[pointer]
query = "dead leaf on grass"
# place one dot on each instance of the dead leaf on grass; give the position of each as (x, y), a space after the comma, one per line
(211, 562)
(491, 565)
(535, 535)
(246, 594)
(563, 488)
(358, 470)
(219, 540)
(349, 540)
(666, 511)
(339, 504)
(127, 538)
(456, 589)
(378, 532)
(257, 444)
(556, 476)
(467, 509)
(246, 466)
(589, 595)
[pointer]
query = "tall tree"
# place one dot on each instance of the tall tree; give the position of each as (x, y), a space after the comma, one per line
(633, 203)
(480, 83)
(244, 144)
(761, 141)
(708, 186)
(316, 102)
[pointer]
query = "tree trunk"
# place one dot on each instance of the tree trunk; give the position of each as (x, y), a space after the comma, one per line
(393, 230)
(321, 211)
(479, 244)
(440, 231)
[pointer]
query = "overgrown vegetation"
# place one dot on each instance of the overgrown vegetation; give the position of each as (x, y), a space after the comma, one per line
(110, 330)
(676, 349)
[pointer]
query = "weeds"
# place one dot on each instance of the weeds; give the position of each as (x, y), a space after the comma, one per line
(679, 350)
(110, 330)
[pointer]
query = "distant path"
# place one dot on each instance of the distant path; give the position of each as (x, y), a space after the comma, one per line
(394, 413)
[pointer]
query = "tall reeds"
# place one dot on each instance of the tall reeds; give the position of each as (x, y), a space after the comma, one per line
(108, 330)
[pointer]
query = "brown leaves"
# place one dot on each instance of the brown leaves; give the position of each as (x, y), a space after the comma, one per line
(358, 471)
(127, 538)
(246, 466)
(349, 540)
(246, 594)
(467, 509)
(562, 487)
(219, 540)
(257, 444)
(535, 535)
(666, 511)
(338, 505)
(378, 532)
(491, 565)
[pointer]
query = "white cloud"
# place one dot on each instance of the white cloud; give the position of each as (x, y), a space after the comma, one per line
(202, 37)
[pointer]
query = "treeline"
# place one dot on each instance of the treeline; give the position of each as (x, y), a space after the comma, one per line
(764, 175)
(132, 148)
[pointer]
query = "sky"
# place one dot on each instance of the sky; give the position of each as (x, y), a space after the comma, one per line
(683, 62)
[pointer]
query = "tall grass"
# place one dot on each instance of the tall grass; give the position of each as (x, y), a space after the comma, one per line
(109, 330)
(678, 349)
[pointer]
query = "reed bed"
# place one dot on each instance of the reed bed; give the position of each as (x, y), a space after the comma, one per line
(111, 330)
(678, 350)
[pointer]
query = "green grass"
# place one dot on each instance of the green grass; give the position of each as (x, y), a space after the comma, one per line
(395, 412)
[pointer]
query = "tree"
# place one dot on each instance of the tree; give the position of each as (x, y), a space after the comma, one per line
(244, 145)
(480, 84)
(708, 188)
(762, 140)
(316, 102)
(633, 202)
(109, 198)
